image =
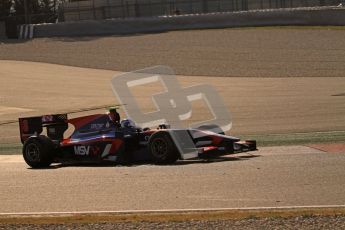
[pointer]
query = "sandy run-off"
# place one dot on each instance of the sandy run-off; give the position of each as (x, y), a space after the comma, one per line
(257, 105)
(241, 52)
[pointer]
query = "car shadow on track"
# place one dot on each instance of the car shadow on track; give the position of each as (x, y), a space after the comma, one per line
(214, 160)
(148, 163)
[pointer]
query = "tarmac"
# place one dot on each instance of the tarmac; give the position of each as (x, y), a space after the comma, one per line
(272, 177)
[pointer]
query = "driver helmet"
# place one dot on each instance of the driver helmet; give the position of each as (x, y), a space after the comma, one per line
(127, 123)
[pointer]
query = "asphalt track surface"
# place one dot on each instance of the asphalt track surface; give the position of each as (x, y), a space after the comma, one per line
(273, 177)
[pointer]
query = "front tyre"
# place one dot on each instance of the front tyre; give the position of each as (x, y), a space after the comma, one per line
(162, 149)
(38, 152)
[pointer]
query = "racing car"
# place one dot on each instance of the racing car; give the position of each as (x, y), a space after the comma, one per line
(104, 138)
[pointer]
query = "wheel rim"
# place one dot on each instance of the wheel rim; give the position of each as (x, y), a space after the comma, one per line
(32, 153)
(159, 147)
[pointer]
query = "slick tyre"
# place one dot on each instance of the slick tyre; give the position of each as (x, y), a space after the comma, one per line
(38, 152)
(162, 148)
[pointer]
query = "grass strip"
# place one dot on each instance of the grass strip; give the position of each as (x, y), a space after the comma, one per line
(293, 27)
(296, 138)
(171, 216)
(10, 149)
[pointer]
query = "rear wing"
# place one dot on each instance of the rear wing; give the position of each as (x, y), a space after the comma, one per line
(56, 125)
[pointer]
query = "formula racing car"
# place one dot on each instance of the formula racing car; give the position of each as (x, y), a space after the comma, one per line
(104, 138)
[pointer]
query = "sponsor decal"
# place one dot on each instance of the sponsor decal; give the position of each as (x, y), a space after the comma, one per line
(95, 150)
(47, 118)
(81, 150)
(96, 126)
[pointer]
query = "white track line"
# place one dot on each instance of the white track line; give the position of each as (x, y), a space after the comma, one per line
(172, 210)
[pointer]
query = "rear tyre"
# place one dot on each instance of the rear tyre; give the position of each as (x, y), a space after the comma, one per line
(38, 152)
(162, 148)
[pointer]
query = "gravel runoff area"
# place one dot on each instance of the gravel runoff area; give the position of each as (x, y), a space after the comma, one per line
(300, 222)
(243, 52)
